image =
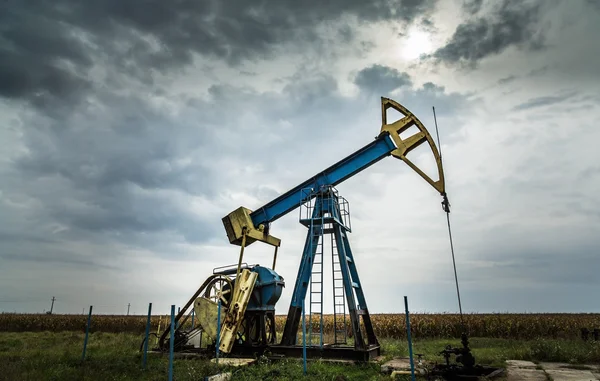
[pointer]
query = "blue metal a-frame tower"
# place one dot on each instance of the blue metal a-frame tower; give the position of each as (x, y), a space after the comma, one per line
(324, 213)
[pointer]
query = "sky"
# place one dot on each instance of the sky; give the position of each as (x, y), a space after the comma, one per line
(128, 130)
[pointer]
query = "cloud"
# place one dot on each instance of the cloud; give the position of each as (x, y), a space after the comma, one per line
(509, 24)
(543, 101)
(594, 3)
(381, 79)
(505, 80)
(472, 6)
(58, 60)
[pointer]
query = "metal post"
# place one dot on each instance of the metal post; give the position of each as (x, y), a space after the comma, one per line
(128, 305)
(158, 329)
(87, 332)
(218, 330)
(275, 258)
(303, 337)
(171, 342)
(147, 336)
(52, 306)
(410, 351)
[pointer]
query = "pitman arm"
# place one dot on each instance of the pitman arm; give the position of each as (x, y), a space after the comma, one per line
(254, 224)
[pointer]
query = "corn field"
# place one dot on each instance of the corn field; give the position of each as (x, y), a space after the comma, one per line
(514, 326)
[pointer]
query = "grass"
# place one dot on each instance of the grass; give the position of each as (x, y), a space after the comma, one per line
(115, 356)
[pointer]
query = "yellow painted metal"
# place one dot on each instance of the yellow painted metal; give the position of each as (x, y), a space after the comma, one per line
(233, 362)
(239, 266)
(158, 330)
(244, 284)
(404, 146)
(239, 222)
(206, 312)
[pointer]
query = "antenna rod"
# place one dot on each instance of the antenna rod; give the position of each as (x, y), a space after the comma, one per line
(447, 210)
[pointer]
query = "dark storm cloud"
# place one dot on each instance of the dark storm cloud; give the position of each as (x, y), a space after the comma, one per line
(48, 48)
(381, 79)
(118, 174)
(594, 3)
(472, 6)
(505, 80)
(562, 264)
(64, 258)
(509, 24)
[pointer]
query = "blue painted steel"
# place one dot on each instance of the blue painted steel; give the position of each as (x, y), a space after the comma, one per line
(306, 263)
(87, 332)
(147, 335)
(267, 290)
(355, 280)
(218, 330)
(171, 342)
(410, 351)
(342, 170)
(343, 252)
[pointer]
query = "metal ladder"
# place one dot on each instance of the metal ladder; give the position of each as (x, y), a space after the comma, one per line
(316, 285)
(339, 299)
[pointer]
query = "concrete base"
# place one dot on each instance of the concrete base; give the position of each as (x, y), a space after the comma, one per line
(528, 371)
(400, 365)
(396, 364)
(235, 362)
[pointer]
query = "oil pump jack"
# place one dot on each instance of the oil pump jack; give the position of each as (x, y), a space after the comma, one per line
(239, 300)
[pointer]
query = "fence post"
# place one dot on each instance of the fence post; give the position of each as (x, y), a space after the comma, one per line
(87, 331)
(218, 330)
(171, 342)
(410, 351)
(147, 336)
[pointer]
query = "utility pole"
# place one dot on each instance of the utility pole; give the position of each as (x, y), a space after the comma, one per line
(52, 306)
(128, 305)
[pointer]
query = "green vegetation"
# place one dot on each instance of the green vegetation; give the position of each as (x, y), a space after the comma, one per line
(115, 356)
